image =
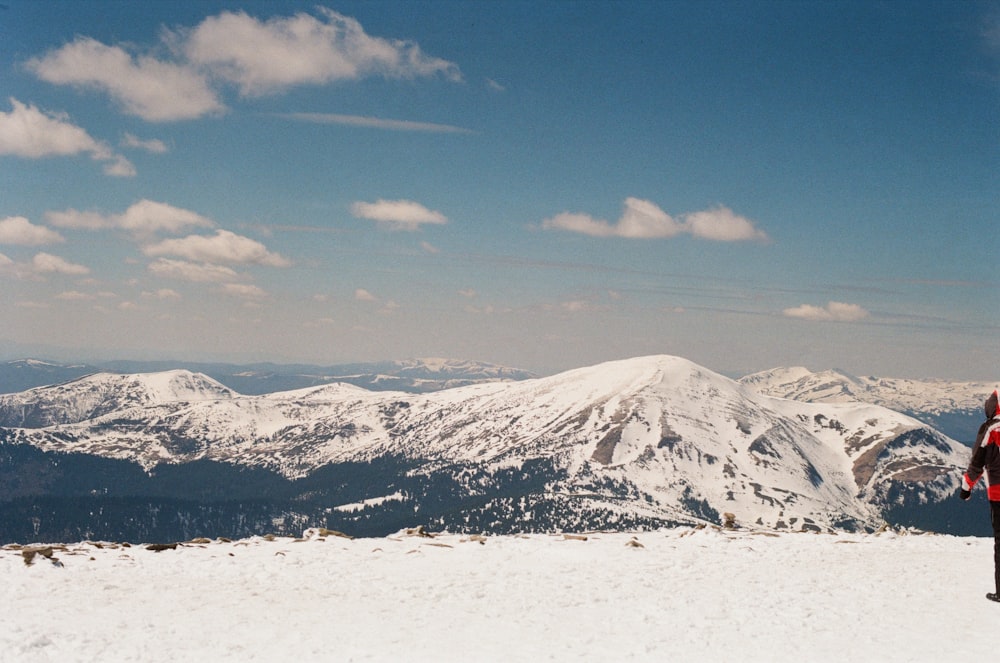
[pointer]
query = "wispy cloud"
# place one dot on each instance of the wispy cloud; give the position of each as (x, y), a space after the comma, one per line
(151, 145)
(375, 123)
(18, 230)
(246, 291)
(832, 312)
(163, 294)
(642, 219)
(398, 214)
(190, 271)
(31, 133)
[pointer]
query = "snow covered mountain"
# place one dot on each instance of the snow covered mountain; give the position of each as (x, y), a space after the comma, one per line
(637, 443)
(102, 393)
(953, 407)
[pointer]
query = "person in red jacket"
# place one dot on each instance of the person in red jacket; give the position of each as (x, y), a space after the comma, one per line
(986, 456)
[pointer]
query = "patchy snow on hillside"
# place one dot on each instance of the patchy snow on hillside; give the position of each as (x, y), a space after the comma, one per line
(681, 594)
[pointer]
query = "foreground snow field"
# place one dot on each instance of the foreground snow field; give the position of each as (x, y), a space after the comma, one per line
(672, 595)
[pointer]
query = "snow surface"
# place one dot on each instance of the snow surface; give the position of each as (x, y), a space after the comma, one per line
(680, 595)
(906, 395)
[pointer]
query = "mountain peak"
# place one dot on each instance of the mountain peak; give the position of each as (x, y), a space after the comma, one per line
(100, 393)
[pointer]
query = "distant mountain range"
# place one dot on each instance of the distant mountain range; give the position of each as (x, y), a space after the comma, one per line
(414, 375)
(646, 442)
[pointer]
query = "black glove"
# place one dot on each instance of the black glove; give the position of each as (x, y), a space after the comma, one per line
(965, 494)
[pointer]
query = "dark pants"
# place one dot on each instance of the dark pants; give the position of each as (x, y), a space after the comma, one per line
(995, 518)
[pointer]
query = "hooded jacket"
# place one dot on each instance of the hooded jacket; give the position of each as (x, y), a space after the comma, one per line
(986, 452)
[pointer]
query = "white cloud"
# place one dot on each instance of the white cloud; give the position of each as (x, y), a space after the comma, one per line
(18, 230)
(376, 123)
(29, 132)
(642, 219)
(722, 225)
(189, 271)
(179, 81)
(46, 263)
(162, 294)
(223, 247)
(75, 296)
(363, 295)
(244, 291)
(832, 312)
(575, 306)
(397, 214)
(154, 90)
(152, 145)
(119, 166)
(143, 217)
(263, 57)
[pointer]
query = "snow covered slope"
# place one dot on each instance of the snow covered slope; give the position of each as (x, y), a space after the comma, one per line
(640, 442)
(672, 595)
(931, 396)
(954, 408)
(94, 395)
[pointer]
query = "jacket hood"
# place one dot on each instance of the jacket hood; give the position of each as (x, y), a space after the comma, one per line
(992, 405)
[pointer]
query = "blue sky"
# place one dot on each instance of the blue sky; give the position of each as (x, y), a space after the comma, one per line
(542, 185)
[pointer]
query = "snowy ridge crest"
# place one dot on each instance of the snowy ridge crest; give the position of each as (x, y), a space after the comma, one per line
(102, 393)
(930, 396)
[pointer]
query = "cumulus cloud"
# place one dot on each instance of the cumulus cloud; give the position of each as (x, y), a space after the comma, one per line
(397, 214)
(832, 312)
(189, 271)
(721, 224)
(263, 57)
(31, 133)
(18, 230)
(223, 247)
(257, 56)
(363, 295)
(143, 217)
(46, 263)
(642, 219)
(144, 86)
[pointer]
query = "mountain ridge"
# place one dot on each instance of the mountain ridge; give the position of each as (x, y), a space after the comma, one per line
(635, 442)
(955, 407)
